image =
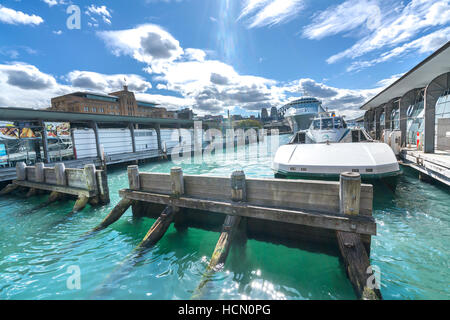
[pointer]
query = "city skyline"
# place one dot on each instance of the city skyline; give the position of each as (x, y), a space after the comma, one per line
(218, 55)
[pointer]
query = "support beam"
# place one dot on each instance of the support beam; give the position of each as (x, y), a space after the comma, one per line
(432, 93)
(133, 137)
(159, 228)
(60, 171)
(21, 171)
(31, 193)
(39, 172)
(158, 137)
(81, 202)
(45, 142)
(351, 246)
(115, 214)
(97, 140)
(378, 112)
(8, 189)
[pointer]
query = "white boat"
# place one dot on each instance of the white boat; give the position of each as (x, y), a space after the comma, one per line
(329, 148)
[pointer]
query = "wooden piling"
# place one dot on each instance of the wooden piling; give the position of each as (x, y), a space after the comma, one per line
(159, 228)
(90, 176)
(350, 244)
(230, 225)
(8, 189)
(102, 183)
(32, 192)
(115, 214)
(133, 178)
(81, 202)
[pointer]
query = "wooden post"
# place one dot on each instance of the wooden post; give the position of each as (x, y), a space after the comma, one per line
(349, 193)
(45, 143)
(102, 183)
(8, 189)
(158, 136)
(133, 178)
(60, 171)
(351, 246)
(90, 176)
(177, 182)
(21, 171)
(238, 189)
(133, 138)
(32, 192)
(39, 171)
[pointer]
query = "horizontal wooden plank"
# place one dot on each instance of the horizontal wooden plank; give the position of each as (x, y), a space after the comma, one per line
(358, 224)
(50, 175)
(293, 194)
(76, 178)
(61, 189)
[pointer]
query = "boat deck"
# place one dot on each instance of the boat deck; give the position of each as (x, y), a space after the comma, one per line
(435, 165)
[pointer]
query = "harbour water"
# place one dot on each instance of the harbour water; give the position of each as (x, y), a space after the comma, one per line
(37, 248)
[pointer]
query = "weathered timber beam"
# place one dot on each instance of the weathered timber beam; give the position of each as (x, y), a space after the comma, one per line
(32, 192)
(81, 202)
(159, 228)
(358, 224)
(8, 189)
(115, 214)
(51, 187)
(350, 244)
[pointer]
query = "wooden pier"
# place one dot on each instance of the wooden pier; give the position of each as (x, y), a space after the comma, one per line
(88, 185)
(430, 165)
(337, 213)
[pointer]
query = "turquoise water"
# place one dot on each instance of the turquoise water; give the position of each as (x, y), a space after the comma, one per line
(36, 249)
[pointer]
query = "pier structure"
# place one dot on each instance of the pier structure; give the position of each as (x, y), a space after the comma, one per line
(412, 115)
(87, 185)
(292, 212)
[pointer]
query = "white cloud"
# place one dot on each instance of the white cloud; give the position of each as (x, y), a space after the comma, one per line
(426, 44)
(51, 3)
(107, 83)
(101, 11)
(11, 16)
(146, 43)
(344, 17)
(24, 85)
(59, 32)
(396, 26)
(260, 13)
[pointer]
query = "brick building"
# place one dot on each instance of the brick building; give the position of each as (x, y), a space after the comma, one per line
(116, 103)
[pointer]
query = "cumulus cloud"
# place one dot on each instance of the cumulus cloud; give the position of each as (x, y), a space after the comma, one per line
(24, 85)
(260, 13)
(107, 83)
(137, 43)
(11, 16)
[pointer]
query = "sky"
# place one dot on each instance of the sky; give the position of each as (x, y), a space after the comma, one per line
(215, 55)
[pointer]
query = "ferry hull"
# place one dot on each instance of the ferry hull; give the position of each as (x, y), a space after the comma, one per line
(373, 161)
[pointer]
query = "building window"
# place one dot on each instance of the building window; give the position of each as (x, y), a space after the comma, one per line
(86, 109)
(94, 109)
(101, 110)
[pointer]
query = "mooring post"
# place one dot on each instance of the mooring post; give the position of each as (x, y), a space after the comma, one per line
(90, 176)
(177, 182)
(60, 171)
(133, 178)
(21, 171)
(351, 246)
(39, 171)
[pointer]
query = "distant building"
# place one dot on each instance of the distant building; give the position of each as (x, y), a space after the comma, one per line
(116, 103)
(185, 114)
(264, 114)
(274, 113)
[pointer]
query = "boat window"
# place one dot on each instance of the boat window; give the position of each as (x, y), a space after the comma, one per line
(327, 124)
(337, 123)
(316, 124)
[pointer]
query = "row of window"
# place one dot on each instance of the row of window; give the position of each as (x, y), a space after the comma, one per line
(111, 109)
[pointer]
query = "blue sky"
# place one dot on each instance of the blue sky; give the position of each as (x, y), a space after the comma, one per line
(216, 55)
